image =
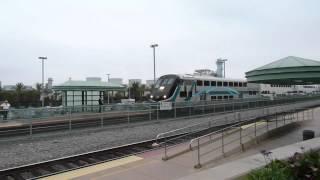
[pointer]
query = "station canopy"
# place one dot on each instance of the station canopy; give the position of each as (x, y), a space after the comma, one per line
(89, 85)
(290, 70)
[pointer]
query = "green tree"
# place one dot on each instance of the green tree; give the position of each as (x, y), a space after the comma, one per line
(19, 88)
(38, 87)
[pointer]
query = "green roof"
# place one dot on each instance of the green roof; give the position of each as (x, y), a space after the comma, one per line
(290, 61)
(288, 70)
(88, 85)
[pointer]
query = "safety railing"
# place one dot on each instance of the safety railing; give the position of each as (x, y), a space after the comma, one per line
(212, 122)
(233, 138)
(103, 116)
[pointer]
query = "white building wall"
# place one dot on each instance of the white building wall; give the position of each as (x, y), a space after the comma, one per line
(116, 80)
(279, 90)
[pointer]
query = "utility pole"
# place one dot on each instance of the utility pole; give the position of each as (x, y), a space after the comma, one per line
(42, 92)
(108, 90)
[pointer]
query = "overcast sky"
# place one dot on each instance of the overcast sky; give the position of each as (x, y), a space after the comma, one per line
(84, 38)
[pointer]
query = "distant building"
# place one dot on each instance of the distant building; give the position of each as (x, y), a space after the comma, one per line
(9, 87)
(50, 82)
(283, 90)
(131, 81)
(27, 88)
(116, 80)
(14, 87)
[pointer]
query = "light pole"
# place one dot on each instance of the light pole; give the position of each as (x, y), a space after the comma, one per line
(153, 46)
(224, 67)
(42, 92)
(108, 90)
(108, 77)
(223, 61)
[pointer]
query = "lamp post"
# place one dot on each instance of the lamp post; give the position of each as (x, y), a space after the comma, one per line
(153, 46)
(42, 92)
(108, 77)
(108, 90)
(224, 67)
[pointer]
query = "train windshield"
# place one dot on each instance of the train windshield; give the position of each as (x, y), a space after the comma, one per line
(164, 82)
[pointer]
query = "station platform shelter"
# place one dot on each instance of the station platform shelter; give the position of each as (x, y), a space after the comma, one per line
(85, 93)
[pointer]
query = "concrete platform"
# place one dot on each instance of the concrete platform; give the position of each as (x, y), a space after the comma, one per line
(151, 166)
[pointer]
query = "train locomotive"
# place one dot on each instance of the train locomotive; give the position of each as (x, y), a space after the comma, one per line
(195, 88)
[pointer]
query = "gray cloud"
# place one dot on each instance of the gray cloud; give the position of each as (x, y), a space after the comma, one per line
(92, 38)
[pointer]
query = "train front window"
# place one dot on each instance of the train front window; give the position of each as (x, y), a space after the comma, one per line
(159, 82)
(170, 81)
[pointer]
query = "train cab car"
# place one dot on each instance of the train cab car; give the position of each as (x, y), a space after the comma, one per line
(165, 88)
(183, 88)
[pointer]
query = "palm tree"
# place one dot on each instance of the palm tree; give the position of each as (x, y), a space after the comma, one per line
(19, 88)
(142, 89)
(134, 90)
(38, 87)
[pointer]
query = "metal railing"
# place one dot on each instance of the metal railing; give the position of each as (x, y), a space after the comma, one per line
(214, 122)
(232, 138)
(36, 120)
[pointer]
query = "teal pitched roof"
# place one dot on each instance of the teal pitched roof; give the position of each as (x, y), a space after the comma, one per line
(290, 61)
(289, 70)
(92, 85)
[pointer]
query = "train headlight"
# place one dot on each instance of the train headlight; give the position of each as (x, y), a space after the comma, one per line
(164, 97)
(151, 96)
(161, 88)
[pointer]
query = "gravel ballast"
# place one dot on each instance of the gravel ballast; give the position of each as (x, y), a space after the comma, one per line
(42, 147)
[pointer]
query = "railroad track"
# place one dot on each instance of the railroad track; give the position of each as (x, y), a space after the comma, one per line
(65, 164)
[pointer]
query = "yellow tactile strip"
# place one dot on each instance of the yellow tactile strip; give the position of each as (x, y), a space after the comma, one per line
(94, 169)
(252, 124)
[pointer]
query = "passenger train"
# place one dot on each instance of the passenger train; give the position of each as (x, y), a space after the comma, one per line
(195, 88)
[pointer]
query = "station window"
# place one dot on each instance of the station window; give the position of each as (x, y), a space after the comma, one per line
(219, 83)
(219, 97)
(225, 97)
(225, 84)
(244, 84)
(213, 98)
(199, 83)
(235, 84)
(213, 83)
(230, 97)
(240, 84)
(230, 84)
(206, 83)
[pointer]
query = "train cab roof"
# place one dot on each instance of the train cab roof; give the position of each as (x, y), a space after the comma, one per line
(209, 78)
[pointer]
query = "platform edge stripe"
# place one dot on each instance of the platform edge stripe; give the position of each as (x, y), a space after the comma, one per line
(94, 169)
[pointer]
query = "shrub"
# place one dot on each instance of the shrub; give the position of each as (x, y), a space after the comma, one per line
(300, 166)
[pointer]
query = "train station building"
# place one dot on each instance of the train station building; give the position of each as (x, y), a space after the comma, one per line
(85, 93)
(290, 70)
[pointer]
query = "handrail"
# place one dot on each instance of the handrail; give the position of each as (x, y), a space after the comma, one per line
(220, 130)
(258, 130)
(186, 127)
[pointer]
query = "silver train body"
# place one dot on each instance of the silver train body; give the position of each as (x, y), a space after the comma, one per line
(195, 88)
